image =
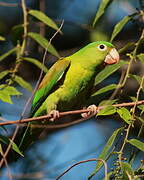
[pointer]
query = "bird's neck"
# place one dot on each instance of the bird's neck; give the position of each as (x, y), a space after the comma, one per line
(87, 61)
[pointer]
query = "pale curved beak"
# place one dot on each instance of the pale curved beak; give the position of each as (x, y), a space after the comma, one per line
(113, 57)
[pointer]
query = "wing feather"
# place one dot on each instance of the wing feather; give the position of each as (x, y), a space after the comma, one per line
(50, 80)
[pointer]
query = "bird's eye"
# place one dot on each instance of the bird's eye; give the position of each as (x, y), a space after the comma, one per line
(102, 47)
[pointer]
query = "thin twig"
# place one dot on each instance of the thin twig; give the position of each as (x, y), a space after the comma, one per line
(9, 4)
(80, 162)
(41, 118)
(44, 57)
(8, 169)
(118, 86)
(132, 58)
(21, 53)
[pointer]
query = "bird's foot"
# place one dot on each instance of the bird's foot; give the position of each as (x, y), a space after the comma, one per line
(54, 115)
(92, 111)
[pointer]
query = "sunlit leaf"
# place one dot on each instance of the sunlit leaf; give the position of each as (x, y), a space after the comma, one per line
(15, 148)
(105, 89)
(6, 140)
(138, 144)
(3, 74)
(119, 26)
(105, 150)
(44, 43)
(45, 19)
(103, 5)
(23, 83)
(10, 90)
(6, 92)
(2, 38)
(107, 71)
(126, 170)
(2, 57)
(125, 115)
(141, 57)
(36, 63)
(107, 111)
(5, 97)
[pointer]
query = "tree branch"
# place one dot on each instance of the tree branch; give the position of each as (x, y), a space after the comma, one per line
(80, 162)
(41, 118)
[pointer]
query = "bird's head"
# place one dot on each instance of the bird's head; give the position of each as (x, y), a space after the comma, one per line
(103, 51)
(108, 51)
(98, 53)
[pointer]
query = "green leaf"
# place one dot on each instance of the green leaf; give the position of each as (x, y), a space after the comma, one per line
(126, 47)
(6, 140)
(17, 34)
(10, 90)
(23, 83)
(138, 79)
(15, 148)
(44, 43)
(107, 71)
(2, 38)
(119, 26)
(105, 150)
(141, 57)
(140, 119)
(36, 63)
(108, 110)
(6, 92)
(45, 19)
(5, 97)
(126, 170)
(141, 107)
(107, 102)
(2, 57)
(133, 98)
(138, 144)
(3, 74)
(105, 89)
(125, 115)
(103, 5)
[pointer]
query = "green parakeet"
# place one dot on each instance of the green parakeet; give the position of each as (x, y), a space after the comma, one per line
(68, 84)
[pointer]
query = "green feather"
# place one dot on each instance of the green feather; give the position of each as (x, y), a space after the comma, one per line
(49, 81)
(67, 85)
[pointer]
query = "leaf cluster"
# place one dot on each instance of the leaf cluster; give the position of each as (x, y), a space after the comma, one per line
(123, 168)
(123, 165)
(7, 90)
(10, 77)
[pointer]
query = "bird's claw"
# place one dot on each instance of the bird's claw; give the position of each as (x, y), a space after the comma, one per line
(54, 115)
(92, 111)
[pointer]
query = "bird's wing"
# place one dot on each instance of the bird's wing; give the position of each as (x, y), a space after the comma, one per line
(49, 81)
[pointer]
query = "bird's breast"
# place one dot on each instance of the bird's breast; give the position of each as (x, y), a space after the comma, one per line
(76, 87)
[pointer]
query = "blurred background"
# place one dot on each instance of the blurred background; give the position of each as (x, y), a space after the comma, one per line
(49, 157)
